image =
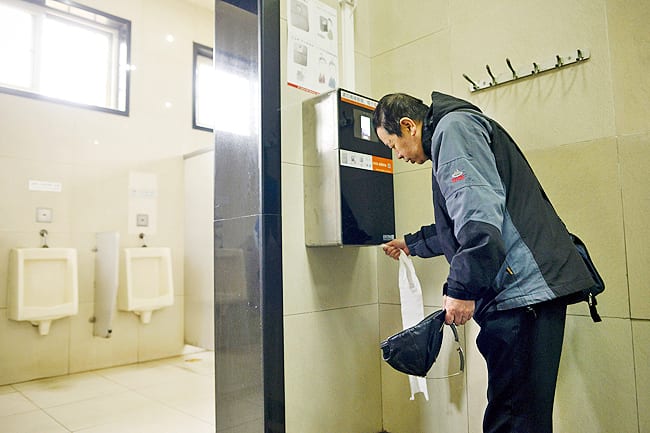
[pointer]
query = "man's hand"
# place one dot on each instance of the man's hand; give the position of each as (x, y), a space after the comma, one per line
(458, 311)
(394, 247)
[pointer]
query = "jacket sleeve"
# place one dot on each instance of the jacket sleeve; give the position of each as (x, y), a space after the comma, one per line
(424, 243)
(467, 174)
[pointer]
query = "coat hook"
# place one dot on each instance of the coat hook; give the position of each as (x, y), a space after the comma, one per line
(494, 80)
(141, 236)
(580, 56)
(558, 61)
(514, 74)
(474, 85)
(535, 69)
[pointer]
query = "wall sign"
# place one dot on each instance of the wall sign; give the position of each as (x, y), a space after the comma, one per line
(312, 52)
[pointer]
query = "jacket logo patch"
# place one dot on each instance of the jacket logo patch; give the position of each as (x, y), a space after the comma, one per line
(457, 176)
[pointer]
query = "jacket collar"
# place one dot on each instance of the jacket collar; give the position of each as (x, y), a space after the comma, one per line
(441, 105)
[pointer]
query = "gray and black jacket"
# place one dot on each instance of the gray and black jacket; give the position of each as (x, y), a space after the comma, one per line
(504, 242)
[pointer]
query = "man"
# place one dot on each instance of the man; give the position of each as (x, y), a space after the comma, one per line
(511, 259)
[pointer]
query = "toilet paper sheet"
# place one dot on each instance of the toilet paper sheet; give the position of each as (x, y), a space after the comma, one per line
(410, 293)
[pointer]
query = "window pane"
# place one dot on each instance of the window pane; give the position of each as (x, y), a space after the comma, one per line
(75, 63)
(66, 51)
(122, 70)
(16, 29)
(205, 104)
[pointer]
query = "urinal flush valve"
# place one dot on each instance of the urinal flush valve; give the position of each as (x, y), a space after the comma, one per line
(44, 234)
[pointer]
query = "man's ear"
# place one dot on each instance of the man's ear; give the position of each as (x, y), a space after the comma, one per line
(409, 124)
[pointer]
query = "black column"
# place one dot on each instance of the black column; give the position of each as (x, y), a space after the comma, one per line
(249, 349)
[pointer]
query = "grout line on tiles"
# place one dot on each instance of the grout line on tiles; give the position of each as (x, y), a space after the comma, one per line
(398, 47)
(324, 310)
(55, 420)
(627, 273)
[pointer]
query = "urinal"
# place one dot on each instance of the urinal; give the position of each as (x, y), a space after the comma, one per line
(42, 285)
(146, 283)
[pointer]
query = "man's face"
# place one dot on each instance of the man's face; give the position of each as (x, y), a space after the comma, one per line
(407, 147)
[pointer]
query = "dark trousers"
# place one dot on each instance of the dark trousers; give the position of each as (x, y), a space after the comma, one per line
(522, 349)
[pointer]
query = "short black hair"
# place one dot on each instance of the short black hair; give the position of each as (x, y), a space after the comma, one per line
(391, 108)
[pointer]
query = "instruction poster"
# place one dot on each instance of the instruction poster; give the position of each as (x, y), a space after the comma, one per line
(312, 54)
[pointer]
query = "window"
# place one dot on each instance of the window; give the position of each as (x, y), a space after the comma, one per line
(229, 79)
(203, 117)
(65, 52)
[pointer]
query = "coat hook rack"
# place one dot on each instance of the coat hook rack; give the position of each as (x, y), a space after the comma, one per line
(538, 68)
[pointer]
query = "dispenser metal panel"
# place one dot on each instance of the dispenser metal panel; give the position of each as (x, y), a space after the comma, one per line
(321, 166)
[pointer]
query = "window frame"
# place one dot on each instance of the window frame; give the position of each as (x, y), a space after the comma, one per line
(118, 26)
(205, 51)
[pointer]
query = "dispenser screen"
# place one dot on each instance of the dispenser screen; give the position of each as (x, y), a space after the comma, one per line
(363, 126)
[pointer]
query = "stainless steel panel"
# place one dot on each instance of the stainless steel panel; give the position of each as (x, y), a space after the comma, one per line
(321, 170)
(249, 350)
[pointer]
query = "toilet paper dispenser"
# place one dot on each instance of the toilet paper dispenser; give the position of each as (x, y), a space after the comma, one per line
(348, 173)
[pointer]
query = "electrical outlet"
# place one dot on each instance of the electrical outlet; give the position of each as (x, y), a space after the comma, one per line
(43, 215)
(142, 220)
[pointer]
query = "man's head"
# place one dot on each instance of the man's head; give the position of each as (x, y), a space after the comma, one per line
(398, 120)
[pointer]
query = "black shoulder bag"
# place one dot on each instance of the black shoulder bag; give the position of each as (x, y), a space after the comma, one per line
(414, 350)
(589, 294)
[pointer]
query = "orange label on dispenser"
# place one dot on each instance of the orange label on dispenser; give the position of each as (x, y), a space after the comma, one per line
(385, 165)
(361, 101)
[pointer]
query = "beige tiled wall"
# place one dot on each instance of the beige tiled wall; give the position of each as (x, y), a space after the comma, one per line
(91, 154)
(590, 205)
(630, 44)
(332, 370)
(596, 384)
(397, 24)
(634, 154)
(331, 334)
(199, 258)
(584, 130)
(429, 71)
(535, 110)
(640, 338)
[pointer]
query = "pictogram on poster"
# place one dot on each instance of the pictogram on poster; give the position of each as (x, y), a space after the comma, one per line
(312, 52)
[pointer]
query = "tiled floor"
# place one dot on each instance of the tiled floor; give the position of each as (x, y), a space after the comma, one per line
(174, 395)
